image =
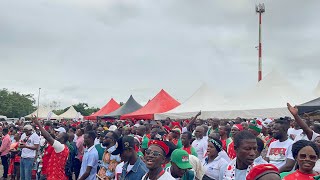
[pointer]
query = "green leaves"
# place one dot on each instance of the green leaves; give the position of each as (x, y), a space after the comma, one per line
(16, 105)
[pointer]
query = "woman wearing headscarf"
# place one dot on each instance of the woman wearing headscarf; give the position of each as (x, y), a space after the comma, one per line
(213, 163)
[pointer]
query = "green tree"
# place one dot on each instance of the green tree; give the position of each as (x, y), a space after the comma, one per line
(84, 109)
(16, 105)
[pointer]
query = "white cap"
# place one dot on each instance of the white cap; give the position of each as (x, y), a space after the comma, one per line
(266, 122)
(60, 130)
(28, 127)
(136, 125)
(112, 128)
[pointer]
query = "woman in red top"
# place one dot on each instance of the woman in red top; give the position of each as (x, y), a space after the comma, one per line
(306, 154)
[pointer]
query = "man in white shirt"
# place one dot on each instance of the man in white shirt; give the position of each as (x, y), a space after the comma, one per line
(200, 144)
(29, 143)
(279, 152)
(295, 131)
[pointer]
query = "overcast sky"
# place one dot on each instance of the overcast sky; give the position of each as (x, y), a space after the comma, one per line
(90, 51)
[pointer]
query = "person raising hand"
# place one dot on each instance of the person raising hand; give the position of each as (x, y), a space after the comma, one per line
(308, 133)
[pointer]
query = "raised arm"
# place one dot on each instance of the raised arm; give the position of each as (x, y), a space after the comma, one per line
(44, 133)
(306, 129)
(192, 120)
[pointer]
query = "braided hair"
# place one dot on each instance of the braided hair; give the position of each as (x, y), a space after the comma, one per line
(297, 146)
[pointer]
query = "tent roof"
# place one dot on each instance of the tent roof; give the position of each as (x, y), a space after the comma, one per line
(274, 91)
(310, 106)
(204, 99)
(315, 102)
(130, 106)
(162, 102)
(71, 113)
(111, 106)
(43, 113)
(267, 99)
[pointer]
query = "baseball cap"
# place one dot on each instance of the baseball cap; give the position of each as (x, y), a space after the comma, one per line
(28, 127)
(266, 122)
(124, 143)
(261, 170)
(112, 128)
(60, 130)
(181, 159)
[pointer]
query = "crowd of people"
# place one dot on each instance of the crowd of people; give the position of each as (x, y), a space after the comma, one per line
(212, 149)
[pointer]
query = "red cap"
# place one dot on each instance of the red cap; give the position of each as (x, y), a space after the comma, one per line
(238, 126)
(161, 144)
(175, 124)
(260, 170)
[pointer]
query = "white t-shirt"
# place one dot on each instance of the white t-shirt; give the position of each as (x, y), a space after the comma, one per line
(96, 141)
(224, 155)
(200, 145)
(292, 132)
(278, 152)
(58, 147)
(129, 167)
(118, 171)
(213, 168)
(165, 176)
(31, 141)
(303, 136)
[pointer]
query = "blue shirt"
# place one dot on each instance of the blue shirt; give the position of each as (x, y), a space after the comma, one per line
(138, 170)
(90, 158)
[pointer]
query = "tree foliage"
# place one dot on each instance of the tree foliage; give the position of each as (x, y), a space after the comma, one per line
(83, 108)
(16, 105)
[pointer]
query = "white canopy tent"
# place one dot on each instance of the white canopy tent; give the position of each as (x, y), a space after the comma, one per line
(43, 113)
(267, 99)
(71, 113)
(204, 99)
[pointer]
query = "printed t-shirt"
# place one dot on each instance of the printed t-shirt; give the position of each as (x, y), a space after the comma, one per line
(278, 152)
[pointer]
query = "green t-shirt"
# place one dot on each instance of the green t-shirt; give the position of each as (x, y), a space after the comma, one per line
(100, 150)
(189, 175)
(179, 144)
(145, 141)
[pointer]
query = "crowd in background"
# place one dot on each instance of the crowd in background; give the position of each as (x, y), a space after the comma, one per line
(212, 149)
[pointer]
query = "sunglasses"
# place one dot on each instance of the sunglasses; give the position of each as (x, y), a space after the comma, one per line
(154, 153)
(311, 157)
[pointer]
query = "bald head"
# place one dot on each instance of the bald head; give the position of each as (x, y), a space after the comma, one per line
(199, 132)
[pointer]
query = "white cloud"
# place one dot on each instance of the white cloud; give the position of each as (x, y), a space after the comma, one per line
(93, 50)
